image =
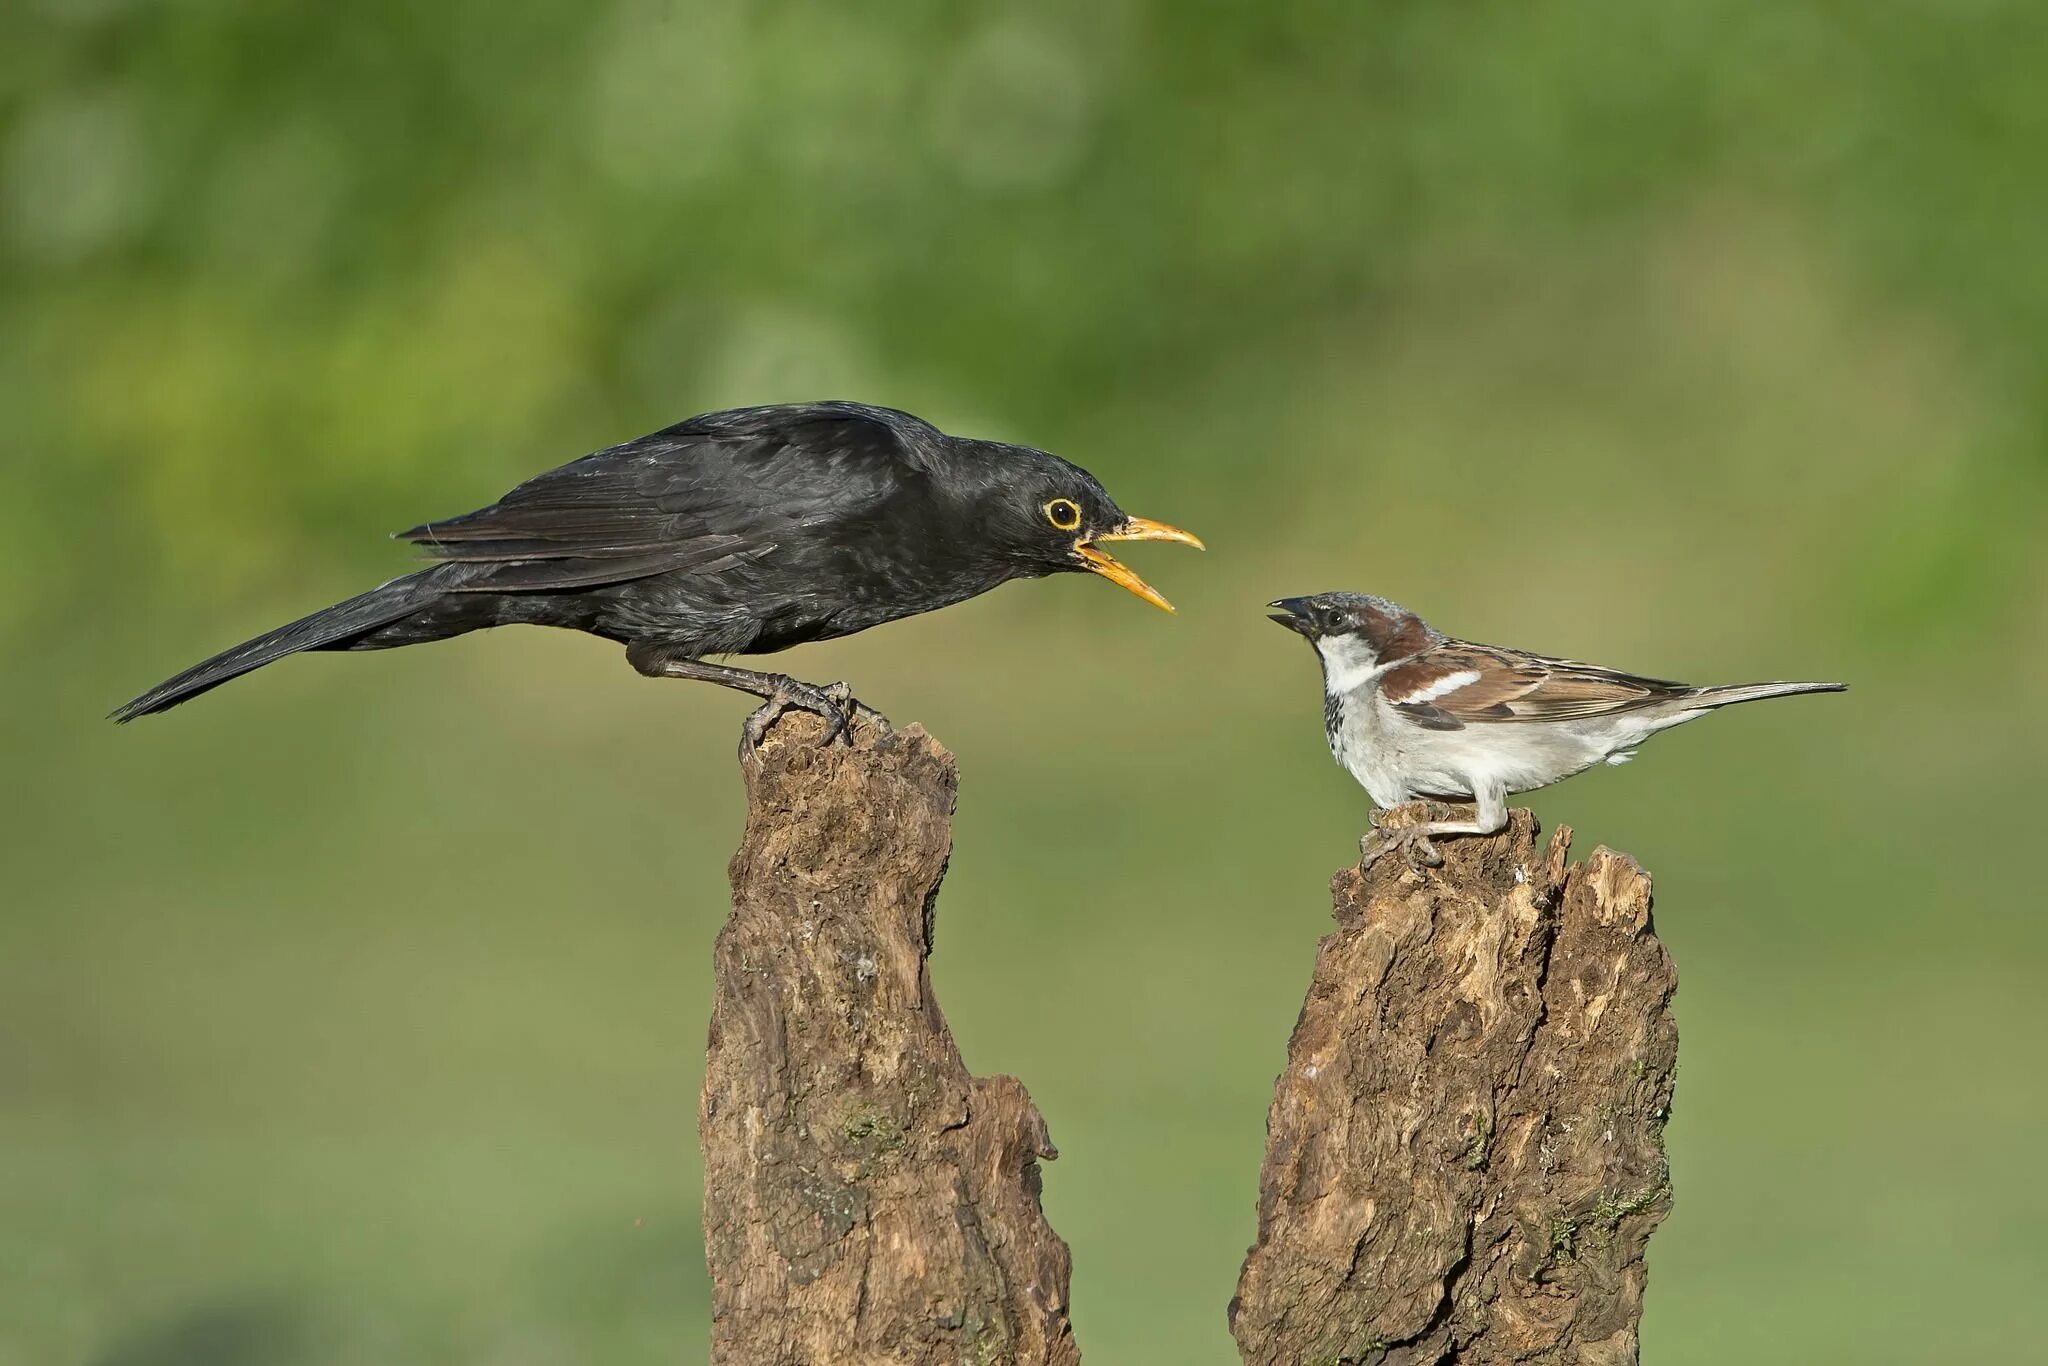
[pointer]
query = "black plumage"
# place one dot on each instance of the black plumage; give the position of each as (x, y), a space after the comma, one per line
(738, 532)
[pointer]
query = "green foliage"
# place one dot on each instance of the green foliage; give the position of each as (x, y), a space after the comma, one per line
(350, 1014)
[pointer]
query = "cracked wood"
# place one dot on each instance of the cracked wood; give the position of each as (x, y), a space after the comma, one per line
(866, 1200)
(1465, 1157)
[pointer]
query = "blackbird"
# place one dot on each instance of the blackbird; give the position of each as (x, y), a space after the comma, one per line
(740, 532)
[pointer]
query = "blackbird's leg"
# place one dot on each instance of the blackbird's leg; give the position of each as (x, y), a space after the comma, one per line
(779, 693)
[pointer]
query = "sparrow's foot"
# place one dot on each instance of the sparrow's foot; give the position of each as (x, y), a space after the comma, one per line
(1411, 840)
(834, 703)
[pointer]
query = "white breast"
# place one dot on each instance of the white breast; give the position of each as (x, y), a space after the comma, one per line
(1365, 745)
(1396, 760)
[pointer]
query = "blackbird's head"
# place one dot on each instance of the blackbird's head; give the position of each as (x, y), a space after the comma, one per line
(1051, 517)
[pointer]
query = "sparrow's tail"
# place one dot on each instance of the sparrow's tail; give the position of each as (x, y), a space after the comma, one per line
(1753, 692)
(331, 628)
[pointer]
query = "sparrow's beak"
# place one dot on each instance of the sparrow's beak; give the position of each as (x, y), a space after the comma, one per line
(1294, 615)
(1134, 529)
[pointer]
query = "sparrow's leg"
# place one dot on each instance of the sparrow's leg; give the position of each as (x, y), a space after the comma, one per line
(1490, 815)
(779, 693)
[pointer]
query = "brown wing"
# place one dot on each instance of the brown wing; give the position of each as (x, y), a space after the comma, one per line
(1454, 684)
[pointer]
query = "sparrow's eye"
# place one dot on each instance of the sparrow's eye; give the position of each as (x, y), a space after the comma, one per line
(1063, 513)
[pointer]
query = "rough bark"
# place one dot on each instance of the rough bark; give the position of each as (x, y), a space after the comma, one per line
(1464, 1158)
(866, 1200)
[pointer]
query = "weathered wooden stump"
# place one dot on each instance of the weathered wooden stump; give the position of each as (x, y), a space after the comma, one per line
(865, 1199)
(1464, 1157)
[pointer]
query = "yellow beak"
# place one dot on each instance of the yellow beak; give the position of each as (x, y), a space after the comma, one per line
(1135, 529)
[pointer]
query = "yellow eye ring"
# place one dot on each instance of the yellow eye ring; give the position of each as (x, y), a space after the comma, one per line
(1064, 513)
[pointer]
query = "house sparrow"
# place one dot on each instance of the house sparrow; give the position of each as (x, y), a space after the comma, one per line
(1412, 713)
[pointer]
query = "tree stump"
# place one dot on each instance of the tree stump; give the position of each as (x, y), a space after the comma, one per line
(1464, 1158)
(865, 1199)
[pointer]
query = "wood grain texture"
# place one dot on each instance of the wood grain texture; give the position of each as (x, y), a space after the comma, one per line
(1465, 1157)
(866, 1200)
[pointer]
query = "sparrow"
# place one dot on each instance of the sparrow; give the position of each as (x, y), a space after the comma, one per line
(1412, 713)
(733, 533)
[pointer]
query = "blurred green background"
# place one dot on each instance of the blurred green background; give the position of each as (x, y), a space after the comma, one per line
(355, 1014)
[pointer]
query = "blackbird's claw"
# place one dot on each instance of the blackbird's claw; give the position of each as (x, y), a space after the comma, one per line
(834, 704)
(855, 709)
(840, 727)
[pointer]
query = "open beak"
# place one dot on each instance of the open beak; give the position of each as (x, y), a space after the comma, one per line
(1134, 529)
(1294, 615)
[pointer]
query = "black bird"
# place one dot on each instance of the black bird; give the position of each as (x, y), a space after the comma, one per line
(739, 532)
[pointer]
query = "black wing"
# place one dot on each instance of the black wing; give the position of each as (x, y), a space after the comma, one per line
(699, 496)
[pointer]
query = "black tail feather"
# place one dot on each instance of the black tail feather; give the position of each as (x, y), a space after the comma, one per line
(324, 629)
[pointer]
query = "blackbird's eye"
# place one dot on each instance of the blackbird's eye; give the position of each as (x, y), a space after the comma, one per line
(1063, 513)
